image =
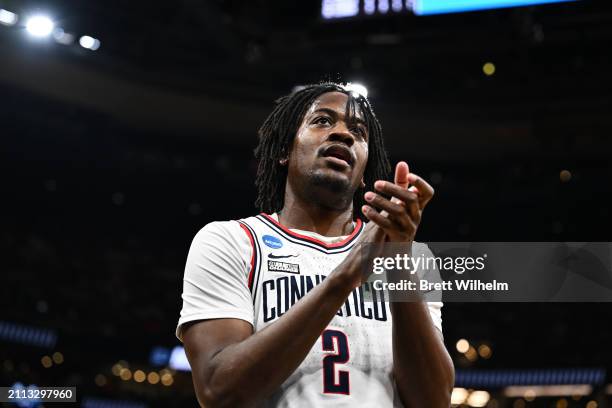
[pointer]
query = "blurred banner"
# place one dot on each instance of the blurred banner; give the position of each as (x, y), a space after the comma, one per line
(422, 7)
(331, 9)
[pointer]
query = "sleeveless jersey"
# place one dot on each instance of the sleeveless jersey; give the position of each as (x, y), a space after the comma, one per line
(255, 269)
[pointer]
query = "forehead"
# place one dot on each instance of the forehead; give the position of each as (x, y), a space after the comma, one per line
(335, 101)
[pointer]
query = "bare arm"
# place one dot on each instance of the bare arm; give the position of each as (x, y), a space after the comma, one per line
(422, 368)
(233, 367)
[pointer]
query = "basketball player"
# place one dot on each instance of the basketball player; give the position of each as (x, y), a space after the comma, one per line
(273, 305)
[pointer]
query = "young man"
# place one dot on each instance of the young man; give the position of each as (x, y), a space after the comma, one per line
(273, 308)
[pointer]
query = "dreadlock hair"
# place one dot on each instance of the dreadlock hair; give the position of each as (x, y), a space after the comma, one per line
(278, 131)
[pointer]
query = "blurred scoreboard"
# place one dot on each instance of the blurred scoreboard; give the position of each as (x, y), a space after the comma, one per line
(333, 9)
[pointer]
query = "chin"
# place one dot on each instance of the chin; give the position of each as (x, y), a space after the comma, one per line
(330, 179)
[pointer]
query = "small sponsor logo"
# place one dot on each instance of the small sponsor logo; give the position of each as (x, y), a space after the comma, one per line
(272, 241)
(277, 266)
(272, 256)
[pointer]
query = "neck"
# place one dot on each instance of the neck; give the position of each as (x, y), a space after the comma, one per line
(311, 216)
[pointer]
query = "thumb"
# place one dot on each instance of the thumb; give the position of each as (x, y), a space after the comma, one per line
(401, 174)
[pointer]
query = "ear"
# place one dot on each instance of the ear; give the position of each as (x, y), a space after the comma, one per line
(362, 185)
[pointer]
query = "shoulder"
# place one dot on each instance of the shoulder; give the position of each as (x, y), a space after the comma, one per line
(220, 245)
(223, 234)
(219, 228)
(224, 229)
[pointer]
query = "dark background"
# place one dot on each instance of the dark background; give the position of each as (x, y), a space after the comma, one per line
(112, 160)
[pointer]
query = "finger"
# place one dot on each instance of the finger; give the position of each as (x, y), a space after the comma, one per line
(401, 177)
(388, 226)
(401, 174)
(393, 208)
(394, 190)
(374, 216)
(409, 198)
(426, 191)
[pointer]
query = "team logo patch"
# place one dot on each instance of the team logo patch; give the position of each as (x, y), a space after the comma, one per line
(277, 266)
(272, 241)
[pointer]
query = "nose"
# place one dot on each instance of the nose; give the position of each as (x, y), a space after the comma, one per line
(341, 133)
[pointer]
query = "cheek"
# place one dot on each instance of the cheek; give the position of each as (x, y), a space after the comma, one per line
(363, 156)
(303, 144)
(297, 152)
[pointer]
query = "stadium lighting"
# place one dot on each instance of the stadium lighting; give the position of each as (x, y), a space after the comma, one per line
(478, 399)
(357, 89)
(488, 69)
(369, 6)
(8, 18)
(89, 43)
(153, 378)
(383, 6)
(339, 8)
(559, 390)
(462, 345)
(39, 26)
(178, 360)
(63, 37)
(459, 395)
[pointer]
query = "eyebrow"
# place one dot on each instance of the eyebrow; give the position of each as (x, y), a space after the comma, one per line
(335, 114)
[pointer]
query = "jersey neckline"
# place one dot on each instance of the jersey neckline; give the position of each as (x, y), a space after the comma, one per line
(346, 240)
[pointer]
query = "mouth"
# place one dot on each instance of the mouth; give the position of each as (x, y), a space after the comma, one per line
(339, 154)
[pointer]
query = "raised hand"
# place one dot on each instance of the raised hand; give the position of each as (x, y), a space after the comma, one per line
(400, 216)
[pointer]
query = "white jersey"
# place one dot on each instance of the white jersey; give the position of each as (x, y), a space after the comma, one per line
(255, 269)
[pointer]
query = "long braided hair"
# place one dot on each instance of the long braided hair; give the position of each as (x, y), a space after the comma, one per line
(279, 129)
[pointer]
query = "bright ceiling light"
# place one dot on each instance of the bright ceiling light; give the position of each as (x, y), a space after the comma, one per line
(39, 26)
(478, 399)
(462, 345)
(63, 37)
(339, 8)
(8, 18)
(459, 395)
(89, 42)
(357, 89)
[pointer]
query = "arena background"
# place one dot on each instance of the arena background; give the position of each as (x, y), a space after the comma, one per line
(111, 160)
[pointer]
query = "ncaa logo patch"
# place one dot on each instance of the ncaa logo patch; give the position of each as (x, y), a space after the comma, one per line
(272, 241)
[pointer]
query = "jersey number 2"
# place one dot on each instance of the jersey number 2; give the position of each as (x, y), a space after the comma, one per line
(336, 341)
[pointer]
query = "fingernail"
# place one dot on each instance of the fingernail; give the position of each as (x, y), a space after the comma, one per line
(369, 196)
(365, 209)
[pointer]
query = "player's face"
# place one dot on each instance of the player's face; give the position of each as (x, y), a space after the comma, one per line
(330, 150)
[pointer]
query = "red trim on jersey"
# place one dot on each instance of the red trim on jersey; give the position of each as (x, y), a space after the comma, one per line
(311, 239)
(252, 271)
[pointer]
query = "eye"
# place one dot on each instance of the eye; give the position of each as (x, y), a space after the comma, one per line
(322, 120)
(360, 131)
